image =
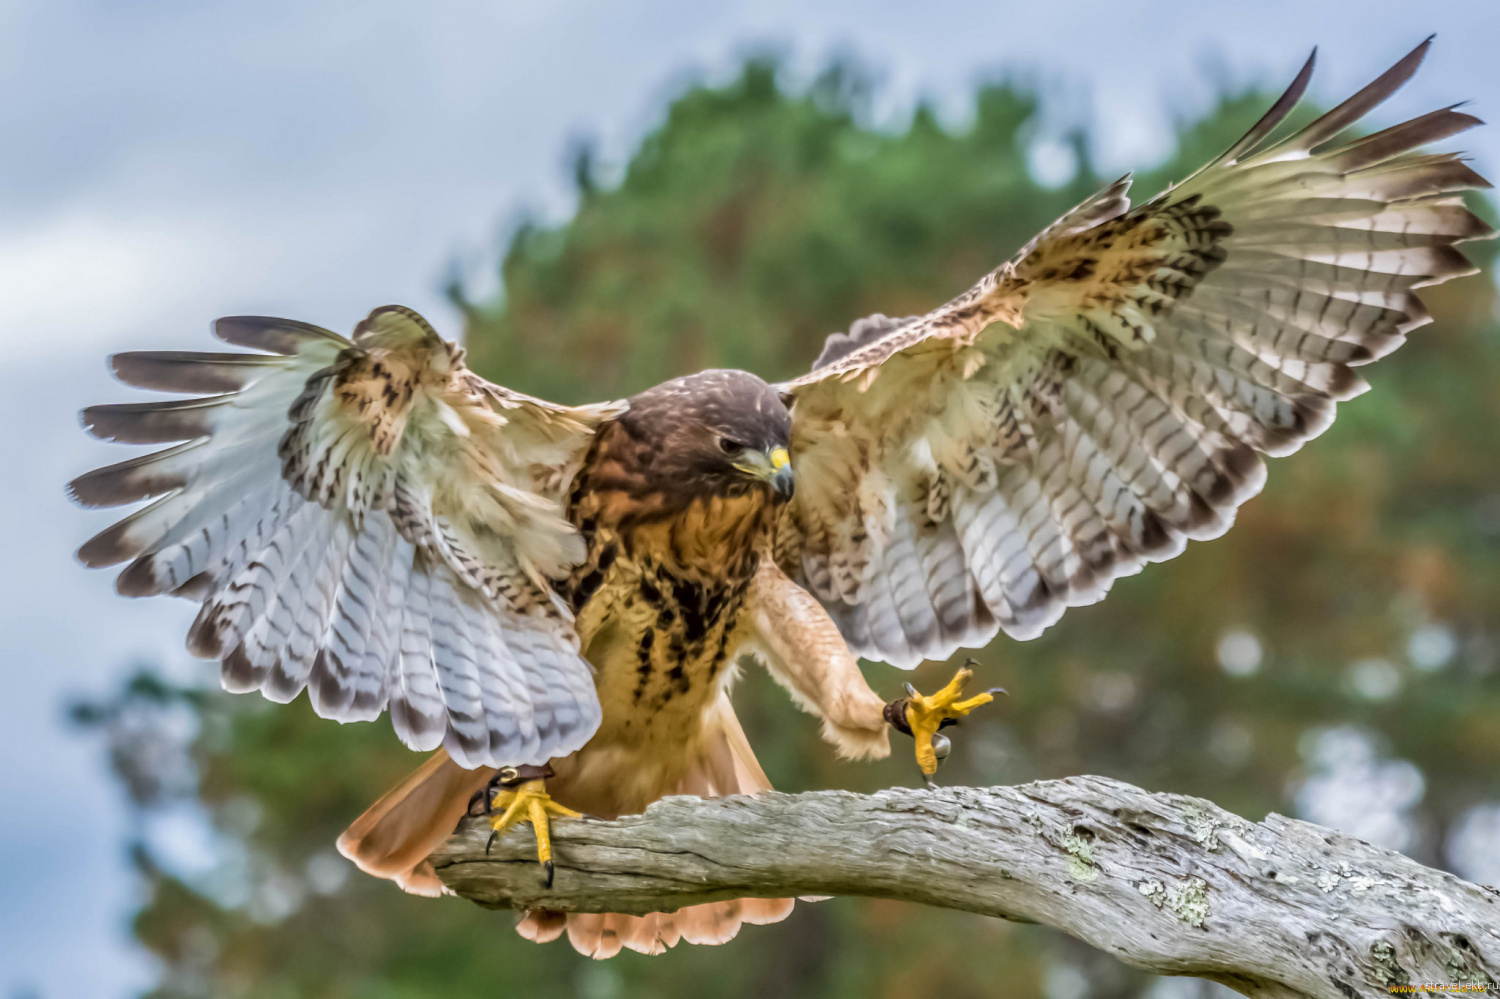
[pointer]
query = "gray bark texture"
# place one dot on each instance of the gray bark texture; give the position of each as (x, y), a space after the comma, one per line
(1167, 883)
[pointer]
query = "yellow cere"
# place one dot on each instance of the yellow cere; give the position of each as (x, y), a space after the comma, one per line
(780, 459)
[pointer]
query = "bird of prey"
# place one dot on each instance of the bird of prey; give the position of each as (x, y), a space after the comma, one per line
(554, 598)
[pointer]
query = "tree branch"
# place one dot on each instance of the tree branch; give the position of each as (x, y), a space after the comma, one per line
(1170, 884)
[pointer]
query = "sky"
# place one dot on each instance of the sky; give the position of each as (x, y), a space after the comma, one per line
(168, 162)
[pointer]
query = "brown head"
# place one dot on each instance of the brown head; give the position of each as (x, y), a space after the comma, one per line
(716, 433)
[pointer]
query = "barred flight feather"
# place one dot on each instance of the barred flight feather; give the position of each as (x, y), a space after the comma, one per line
(334, 551)
(1099, 400)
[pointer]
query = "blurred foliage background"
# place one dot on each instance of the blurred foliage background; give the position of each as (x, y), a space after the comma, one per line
(1334, 656)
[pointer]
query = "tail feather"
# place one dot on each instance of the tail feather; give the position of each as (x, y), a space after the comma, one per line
(602, 935)
(728, 766)
(394, 837)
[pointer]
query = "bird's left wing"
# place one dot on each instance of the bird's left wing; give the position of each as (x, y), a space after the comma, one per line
(365, 518)
(1106, 395)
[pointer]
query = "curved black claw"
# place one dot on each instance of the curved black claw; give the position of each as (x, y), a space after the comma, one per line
(547, 872)
(972, 662)
(490, 842)
(922, 716)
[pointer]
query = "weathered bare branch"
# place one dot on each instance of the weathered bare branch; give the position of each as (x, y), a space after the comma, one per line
(1170, 884)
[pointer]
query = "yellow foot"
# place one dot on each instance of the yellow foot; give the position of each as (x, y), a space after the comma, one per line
(524, 799)
(921, 717)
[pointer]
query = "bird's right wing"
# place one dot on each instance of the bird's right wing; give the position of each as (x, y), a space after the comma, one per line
(365, 518)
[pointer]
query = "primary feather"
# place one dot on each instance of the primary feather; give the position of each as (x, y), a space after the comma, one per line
(364, 519)
(1104, 397)
(367, 520)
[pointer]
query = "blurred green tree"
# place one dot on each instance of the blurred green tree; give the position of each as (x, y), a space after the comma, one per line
(1348, 621)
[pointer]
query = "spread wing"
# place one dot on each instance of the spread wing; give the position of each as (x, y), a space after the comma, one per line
(365, 518)
(1106, 395)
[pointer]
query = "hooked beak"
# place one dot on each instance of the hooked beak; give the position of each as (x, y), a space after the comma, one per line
(774, 467)
(782, 479)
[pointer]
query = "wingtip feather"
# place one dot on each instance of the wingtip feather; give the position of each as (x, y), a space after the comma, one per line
(1275, 114)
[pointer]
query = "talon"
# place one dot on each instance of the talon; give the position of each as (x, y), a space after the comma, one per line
(524, 792)
(921, 717)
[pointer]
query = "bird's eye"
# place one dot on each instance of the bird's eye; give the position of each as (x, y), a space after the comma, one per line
(730, 447)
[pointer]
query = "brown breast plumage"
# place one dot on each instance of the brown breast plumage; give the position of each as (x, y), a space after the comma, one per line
(657, 604)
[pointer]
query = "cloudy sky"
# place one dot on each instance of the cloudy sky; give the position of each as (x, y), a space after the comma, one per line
(167, 162)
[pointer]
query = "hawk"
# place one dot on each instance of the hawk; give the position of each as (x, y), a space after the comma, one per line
(554, 598)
